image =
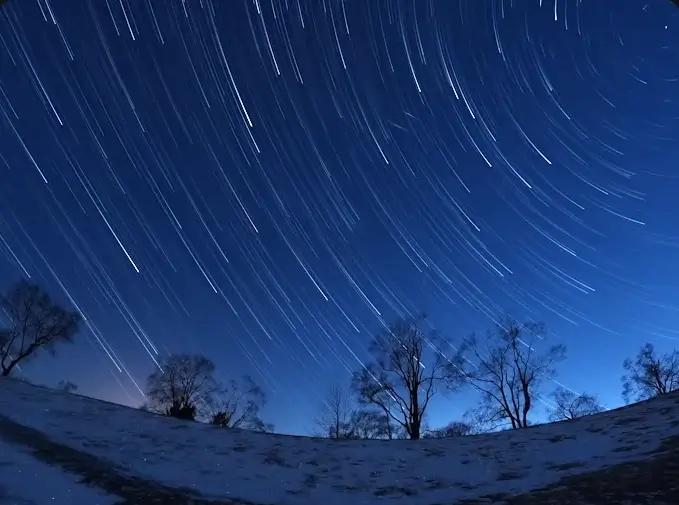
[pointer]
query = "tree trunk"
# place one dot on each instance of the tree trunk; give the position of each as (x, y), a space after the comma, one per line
(415, 430)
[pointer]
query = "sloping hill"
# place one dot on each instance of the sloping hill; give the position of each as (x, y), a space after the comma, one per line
(630, 455)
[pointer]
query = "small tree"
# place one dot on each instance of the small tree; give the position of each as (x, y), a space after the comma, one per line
(370, 424)
(182, 381)
(332, 420)
(67, 386)
(36, 323)
(452, 429)
(650, 374)
(508, 372)
(237, 404)
(569, 405)
(187, 412)
(409, 368)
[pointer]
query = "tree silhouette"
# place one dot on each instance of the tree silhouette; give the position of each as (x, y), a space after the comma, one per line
(36, 323)
(182, 381)
(333, 418)
(67, 386)
(187, 412)
(370, 424)
(508, 372)
(650, 374)
(452, 429)
(409, 368)
(236, 404)
(570, 405)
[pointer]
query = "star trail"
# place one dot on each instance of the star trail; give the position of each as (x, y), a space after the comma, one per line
(266, 181)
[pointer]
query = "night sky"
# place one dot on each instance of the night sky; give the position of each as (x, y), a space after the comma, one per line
(264, 181)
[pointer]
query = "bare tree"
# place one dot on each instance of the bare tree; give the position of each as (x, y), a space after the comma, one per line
(409, 368)
(36, 323)
(370, 424)
(237, 404)
(183, 383)
(67, 386)
(452, 429)
(650, 374)
(570, 405)
(333, 418)
(508, 372)
(376, 424)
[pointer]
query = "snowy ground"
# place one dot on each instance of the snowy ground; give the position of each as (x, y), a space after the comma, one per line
(27, 481)
(276, 469)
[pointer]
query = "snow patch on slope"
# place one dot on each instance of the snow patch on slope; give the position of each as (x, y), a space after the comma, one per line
(279, 469)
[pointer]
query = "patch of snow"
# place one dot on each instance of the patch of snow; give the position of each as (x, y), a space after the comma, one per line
(26, 481)
(280, 469)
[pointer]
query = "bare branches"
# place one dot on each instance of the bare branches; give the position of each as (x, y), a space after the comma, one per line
(339, 419)
(183, 381)
(508, 371)
(368, 424)
(332, 420)
(569, 405)
(409, 368)
(185, 387)
(237, 405)
(36, 323)
(650, 375)
(452, 429)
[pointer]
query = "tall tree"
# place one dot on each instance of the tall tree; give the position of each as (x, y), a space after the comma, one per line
(183, 383)
(409, 368)
(35, 323)
(650, 374)
(508, 371)
(237, 404)
(570, 405)
(333, 418)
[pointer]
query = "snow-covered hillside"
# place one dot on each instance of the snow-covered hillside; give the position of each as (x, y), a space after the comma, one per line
(25, 480)
(126, 451)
